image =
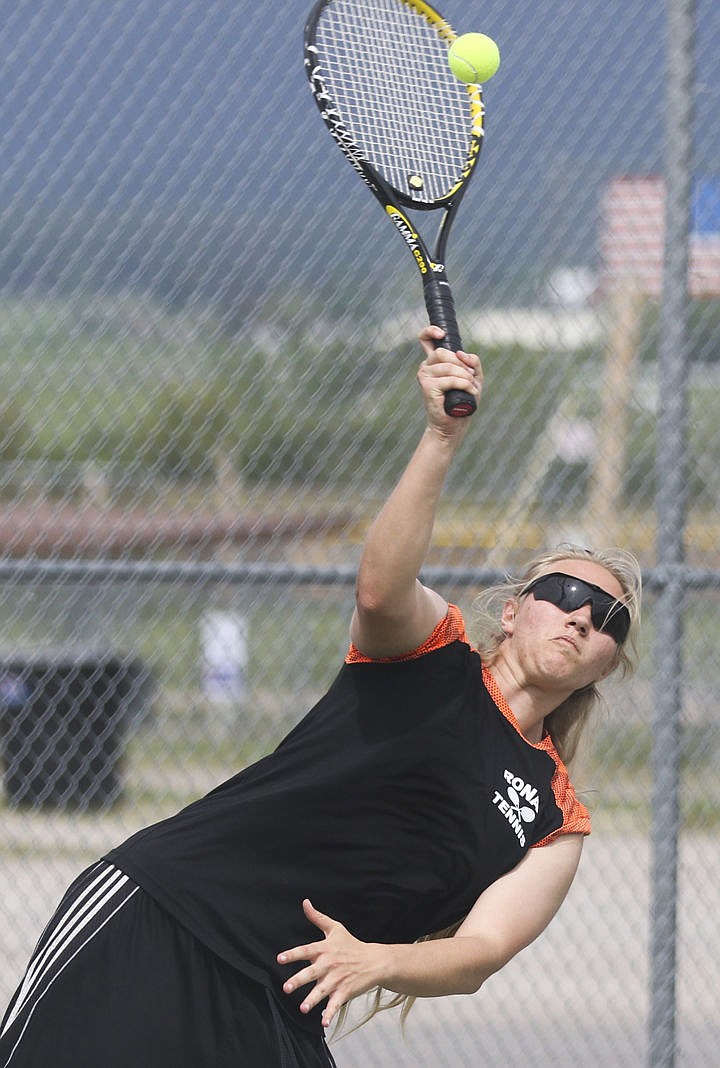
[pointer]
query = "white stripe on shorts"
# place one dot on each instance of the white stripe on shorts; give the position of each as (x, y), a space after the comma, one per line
(67, 934)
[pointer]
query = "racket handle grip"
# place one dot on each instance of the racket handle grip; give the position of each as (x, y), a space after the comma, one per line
(441, 312)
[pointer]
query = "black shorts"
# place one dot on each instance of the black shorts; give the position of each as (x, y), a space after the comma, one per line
(116, 981)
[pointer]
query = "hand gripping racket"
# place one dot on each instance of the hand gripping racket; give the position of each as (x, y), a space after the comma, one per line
(379, 73)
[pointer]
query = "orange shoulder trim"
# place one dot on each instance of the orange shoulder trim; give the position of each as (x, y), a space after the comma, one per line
(576, 818)
(449, 629)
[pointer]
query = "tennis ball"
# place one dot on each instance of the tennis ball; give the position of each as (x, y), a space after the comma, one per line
(474, 57)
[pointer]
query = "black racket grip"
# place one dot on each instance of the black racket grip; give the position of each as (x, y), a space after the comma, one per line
(441, 312)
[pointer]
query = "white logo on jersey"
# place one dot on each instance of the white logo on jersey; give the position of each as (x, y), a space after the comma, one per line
(521, 804)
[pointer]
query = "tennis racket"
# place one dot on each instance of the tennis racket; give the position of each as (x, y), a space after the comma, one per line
(378, 70)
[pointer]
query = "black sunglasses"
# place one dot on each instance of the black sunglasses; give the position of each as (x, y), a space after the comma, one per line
(569, 593)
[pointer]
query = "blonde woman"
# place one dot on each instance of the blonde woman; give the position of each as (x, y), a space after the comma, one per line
(497, 807)
(425, 792)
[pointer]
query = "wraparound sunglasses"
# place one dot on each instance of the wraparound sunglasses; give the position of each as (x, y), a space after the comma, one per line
(569, 593)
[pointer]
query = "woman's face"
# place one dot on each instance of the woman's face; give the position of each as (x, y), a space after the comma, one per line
(551, 647)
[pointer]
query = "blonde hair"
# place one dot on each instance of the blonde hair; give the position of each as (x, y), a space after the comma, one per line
(565, 723)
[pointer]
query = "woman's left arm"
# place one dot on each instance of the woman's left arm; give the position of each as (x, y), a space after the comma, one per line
(506, 918)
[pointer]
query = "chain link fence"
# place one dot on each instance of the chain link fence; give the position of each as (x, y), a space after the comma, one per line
(207, 366)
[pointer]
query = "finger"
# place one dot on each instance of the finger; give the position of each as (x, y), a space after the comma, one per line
(467, 360)
(315, 996)
(335, 1003)
(440, 355)
(302, 978)
(431, 333)
(309, 952)
(429, 337)
(441, 377)
(325, 923)
(471, 359)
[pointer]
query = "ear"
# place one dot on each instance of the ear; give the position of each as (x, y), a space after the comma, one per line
(507, 619)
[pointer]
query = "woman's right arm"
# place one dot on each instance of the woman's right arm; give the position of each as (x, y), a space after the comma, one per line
(506, 918)
(394, 612)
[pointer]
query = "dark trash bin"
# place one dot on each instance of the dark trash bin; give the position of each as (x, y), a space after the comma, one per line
(64, 719)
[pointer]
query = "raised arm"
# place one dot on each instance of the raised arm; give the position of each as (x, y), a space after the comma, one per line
(506, 918)
(394, 611)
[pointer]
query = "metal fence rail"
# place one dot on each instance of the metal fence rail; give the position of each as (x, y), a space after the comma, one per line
(207, 387)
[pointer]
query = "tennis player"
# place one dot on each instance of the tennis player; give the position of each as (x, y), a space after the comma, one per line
(426, 793)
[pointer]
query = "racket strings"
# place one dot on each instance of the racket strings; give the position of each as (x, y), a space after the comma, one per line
(386, 70)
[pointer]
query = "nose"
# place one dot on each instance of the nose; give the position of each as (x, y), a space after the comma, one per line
(581, 619)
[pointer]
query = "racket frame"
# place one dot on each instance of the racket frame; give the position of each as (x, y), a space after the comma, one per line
(430, 263)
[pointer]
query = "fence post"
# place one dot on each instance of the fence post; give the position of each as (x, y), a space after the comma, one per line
(671, 514)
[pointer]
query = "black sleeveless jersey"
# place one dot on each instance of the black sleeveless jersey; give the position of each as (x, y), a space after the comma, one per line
(392, 805)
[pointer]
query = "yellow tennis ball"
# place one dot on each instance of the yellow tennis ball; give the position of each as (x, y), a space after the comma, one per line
(474, 57)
